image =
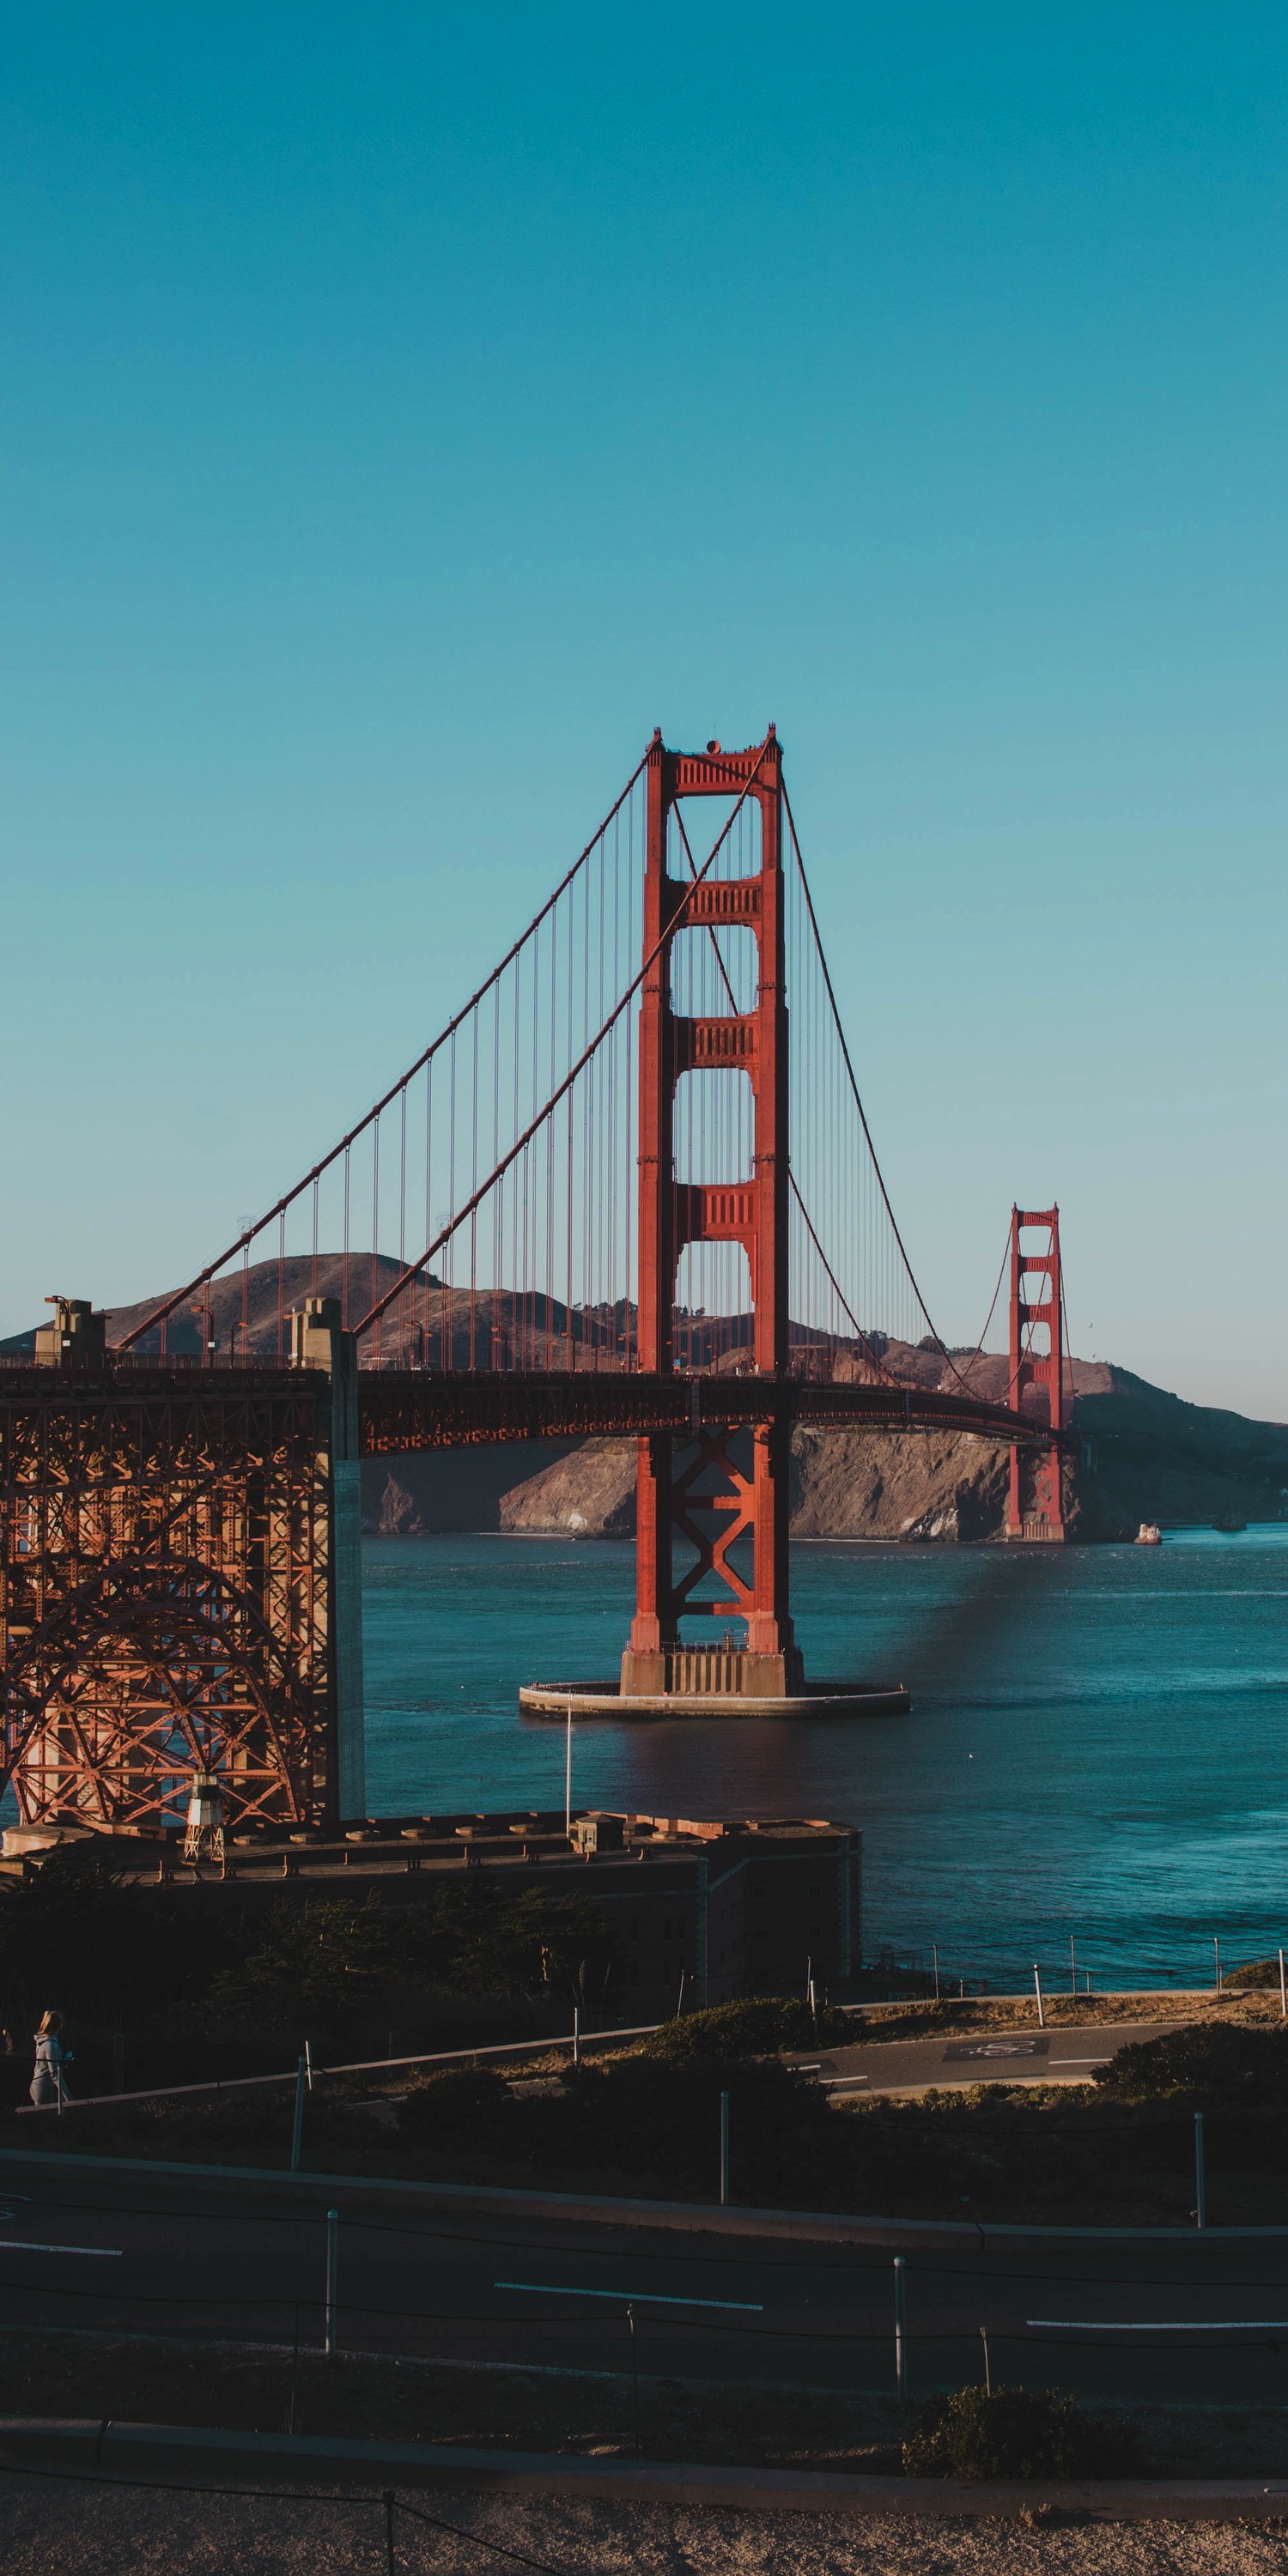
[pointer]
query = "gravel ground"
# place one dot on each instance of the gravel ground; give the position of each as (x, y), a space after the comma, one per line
(89, 2531)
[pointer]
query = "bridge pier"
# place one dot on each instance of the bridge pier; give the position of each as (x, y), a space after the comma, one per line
(180, 1591)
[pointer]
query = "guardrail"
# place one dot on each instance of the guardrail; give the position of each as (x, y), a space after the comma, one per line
(576, 2039)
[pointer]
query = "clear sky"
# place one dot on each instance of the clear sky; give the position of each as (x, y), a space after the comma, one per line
(402, 410)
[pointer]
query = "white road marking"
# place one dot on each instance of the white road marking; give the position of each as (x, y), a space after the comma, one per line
(634, 2298)
(24, 2245)
(1163, 2325)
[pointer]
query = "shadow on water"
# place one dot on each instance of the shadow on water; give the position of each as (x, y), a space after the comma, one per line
(946, 1644)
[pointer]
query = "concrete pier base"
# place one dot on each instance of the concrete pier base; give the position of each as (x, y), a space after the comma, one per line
(702, 1672)
(608, 1699)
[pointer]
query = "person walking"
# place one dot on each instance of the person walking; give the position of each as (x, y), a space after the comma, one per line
(48, 2083)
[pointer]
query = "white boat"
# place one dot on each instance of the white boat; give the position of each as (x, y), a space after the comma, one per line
(1149, 1535)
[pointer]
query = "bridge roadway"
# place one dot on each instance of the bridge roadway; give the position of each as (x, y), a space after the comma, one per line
(429, 1409)
(513, 2280)
(403, 1409)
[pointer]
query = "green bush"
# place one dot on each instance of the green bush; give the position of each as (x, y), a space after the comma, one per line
(758, 2026)
(1015, 2433)
(251, 2128)
(660, 2124)
(461, 2099)
(1258, 1972)
(633, 2122)
(1226, 2064)
(320, 1957)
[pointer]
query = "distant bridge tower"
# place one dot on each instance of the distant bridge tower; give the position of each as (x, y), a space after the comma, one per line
(1037, 1362)
(713, 1502)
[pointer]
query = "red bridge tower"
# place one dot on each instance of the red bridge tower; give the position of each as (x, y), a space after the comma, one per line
(712, 1501)
(1037, 1314)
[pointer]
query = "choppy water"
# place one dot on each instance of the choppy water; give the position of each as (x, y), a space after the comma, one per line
(1099, 1743)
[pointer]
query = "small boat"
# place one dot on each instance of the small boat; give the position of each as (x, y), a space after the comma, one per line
(1149, 1535)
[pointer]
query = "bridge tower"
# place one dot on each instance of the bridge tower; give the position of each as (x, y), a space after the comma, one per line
(1037, 1310)
(710, 1500)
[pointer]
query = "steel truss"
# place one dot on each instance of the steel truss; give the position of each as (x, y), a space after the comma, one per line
(166, 1598)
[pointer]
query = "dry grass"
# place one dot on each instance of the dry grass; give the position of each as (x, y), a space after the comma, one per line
(980, 2014)
(89, 2531)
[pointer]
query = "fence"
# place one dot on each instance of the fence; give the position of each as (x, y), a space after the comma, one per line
(386, 2510)
(804, 2318)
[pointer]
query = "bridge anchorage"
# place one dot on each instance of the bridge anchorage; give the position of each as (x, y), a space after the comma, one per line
(650, 1210)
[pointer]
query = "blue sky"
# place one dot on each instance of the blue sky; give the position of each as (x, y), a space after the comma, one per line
(402, 411)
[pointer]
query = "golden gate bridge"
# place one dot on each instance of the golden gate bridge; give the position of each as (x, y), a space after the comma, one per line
(628, 1189)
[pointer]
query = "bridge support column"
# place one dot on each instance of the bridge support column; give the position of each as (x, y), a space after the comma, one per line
(180, 1589)
(317, 1341)
(1034, 1508)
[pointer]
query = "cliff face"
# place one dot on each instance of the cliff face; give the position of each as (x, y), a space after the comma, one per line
(1144, 1455)
(847, 1484)
(854, 1484)
(450, 1489)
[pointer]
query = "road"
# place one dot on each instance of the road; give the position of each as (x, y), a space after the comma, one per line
(1067, 2055)
(155, 2254)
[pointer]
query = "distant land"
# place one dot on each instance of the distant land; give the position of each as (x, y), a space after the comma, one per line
(1144, 1454)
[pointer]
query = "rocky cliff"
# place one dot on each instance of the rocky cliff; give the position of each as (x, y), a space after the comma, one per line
(845, 1484)
(1143, 1455)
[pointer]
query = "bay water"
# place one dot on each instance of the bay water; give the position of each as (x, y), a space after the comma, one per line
(1097, 1749)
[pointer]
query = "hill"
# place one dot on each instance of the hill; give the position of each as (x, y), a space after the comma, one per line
(1144, 1454)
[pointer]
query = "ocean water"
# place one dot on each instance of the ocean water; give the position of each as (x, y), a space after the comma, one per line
(1098, 1745)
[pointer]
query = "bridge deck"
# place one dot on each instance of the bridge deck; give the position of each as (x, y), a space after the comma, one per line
(407, 1409)
(417, 1409)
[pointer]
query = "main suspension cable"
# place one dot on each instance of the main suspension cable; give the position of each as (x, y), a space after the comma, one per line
(936, 1336)
(158, 1314)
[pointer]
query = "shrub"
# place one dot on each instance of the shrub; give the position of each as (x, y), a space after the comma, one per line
(1225, 2063)
(660, 2123)
(487, 1940)
(443, 2106)
(252, 2128)
(77, 1936)
(757, 2026)
(325, 1956)
(1015, 2433)
(1258, 1972)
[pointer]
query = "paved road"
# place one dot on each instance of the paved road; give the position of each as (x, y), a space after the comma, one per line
(1068, 2055)
(155, 2254)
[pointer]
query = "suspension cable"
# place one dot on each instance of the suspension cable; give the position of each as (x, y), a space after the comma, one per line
(936, 1336)
(564, 1088)
(158, 1314)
